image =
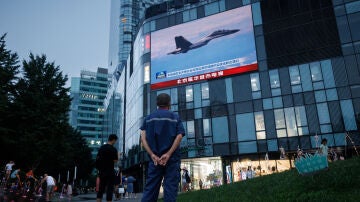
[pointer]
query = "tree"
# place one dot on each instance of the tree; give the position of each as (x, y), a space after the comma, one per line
(36, 123)
(9, 69)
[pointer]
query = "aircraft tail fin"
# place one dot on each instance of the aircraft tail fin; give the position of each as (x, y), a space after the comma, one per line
(182, 43)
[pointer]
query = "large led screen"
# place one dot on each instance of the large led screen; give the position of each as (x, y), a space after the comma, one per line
(209, 48)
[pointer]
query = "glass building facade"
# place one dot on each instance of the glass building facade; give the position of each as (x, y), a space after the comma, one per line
(305, 87)
(87, 106)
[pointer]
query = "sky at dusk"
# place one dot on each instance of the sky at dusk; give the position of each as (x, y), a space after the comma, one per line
(72, 33)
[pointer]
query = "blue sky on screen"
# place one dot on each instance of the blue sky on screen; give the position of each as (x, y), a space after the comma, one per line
(238, 45)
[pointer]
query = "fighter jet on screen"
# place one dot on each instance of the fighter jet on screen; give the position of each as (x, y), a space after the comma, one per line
(183, 45)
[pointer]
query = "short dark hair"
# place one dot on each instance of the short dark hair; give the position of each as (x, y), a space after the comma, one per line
(163, 100)
(112, 137)
(323, 140)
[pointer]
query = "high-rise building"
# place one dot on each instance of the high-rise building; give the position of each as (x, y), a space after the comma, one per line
(252, 80)
(126, 16)
(88, 93)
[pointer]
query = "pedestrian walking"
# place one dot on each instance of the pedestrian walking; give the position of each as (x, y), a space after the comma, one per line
(161, 134)
(106, 157)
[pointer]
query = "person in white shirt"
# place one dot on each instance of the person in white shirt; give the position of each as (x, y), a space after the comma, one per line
(8, 169)
(50, 185)
(323, 147)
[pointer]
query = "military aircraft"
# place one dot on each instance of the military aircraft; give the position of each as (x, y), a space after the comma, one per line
(183, 45)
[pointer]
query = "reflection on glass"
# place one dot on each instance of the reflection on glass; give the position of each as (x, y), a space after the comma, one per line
(189, 93)
(294, 75)
(190, 129)
(255, 82)
(301, 116)
(279, 118)
(206, 127)
(315, 69)
(274, 78)
(259, 121)
(290, 122)
(204, 91)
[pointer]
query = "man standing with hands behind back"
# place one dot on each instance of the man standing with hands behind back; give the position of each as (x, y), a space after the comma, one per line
(107, 155)
(161, 134)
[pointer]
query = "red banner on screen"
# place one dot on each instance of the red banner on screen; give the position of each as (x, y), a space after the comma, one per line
(206, 76)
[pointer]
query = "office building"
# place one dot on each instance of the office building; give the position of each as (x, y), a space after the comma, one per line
(253, 82)
(87, 106)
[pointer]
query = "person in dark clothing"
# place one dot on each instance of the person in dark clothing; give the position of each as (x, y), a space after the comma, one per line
(161, 134)
(107, 156)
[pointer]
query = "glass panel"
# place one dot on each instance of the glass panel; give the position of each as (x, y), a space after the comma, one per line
(276, 92)
(174, 96)
(229, 91)
(279, 118)
(220, 130)
(300, 116)
(323, 113)
(316, 74)
(197, 95)
(277, 102)
(331, 94)
(255, 82)
(261, 135)
(320, 96)
(245, 126)
(256, 95)
(294, 75)
(247, 147)
(339, 139)
(198, 113)
(190, 129)
(290, 122)
(352, 7)
(205, 91)
(281, 133)
(259, 121)
(274, 79)
(326, 128)
(348, 114)
(189, 93)
(206, 127)
(272, 145)
(305, 77)
(211, 8)
(328, 74)
(267, 103)
(303, 131)
(191, 144)
(256, 14)
(193, 14)
(296, 89)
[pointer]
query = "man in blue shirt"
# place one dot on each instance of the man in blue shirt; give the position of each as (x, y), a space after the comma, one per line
(161, 134)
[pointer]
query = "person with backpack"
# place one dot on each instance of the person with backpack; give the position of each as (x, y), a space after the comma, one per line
(105, 159)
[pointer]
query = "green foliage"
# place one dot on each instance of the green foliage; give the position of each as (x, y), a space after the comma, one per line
(36, 125)
(340, 183)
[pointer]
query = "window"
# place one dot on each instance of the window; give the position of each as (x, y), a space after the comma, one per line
(204, 91)
(255, 85)
(220, 130)
(206, 127)
(245, 127)
(189, 93)
(260, 125)
(280, 123)
(295, 79)
(274, 82)
(190, 129)
(291, 127)
(301, 120)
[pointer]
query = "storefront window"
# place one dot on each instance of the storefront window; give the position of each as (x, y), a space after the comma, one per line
(208, 170)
